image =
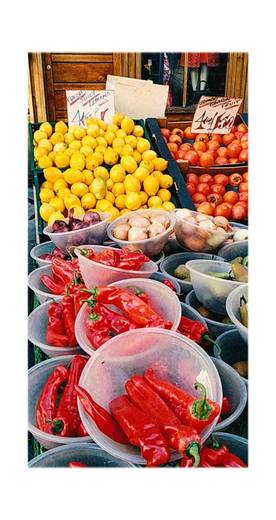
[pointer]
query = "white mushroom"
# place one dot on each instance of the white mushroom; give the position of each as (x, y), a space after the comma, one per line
(121, 231)
(137, 233)
(137, 221)
(160, 219)
(155, 229)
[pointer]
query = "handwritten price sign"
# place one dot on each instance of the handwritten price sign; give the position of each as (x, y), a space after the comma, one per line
(215, 114)
(83, 104)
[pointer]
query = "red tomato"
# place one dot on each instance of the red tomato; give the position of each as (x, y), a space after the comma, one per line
(198, 198)
(178, 131)
(234, 150)
(175, 139)
(231, 196)
(243, 157)
(221, 160)
(206, 159)
(199, 146)
(228, 138)
(243, 186)
(180, 154)
(192, 177)
(244, 138)
(185, 147)
(223, 210)
(206, 178)
(192, 157)
(238, 135)
(172, 147)
(245, 177)
(239, 212)
(188, 134)
(212, 145)
(206, 208)
(165, 132)
(242, 128)
(242, 203)
(218, 188)
(216, 137)
(203, 187)
(220, 178)
(202, 137)
(235, 179)
(222, 151)
(244, 145)
(191, 188)
(234, 129)
(214, 198)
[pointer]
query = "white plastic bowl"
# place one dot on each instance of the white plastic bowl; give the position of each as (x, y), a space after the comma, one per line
(165, 303)
(94, 273)
(38, 287)
(190, 236)
(169, 353)
(37, 377)
(231, 251)
(151, 246)
(94, 234)
(212, 292)
(41, 249)
(37, 323)
(233, 309)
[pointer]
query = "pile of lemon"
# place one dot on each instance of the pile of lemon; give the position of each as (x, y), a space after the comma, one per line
(135, 177)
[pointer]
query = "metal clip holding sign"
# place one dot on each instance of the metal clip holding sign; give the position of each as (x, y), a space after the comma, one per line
(215, 115)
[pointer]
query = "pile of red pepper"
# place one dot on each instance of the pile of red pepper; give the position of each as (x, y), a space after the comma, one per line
(60, 416)
(64, 274)
(121, 258)
(215, 455)
(102, 323)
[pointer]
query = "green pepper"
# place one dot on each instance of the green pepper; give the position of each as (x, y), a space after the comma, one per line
(224, 275)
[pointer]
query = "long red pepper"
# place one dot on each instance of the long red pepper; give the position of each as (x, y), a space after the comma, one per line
(183, 438)
(52, 286)
(141, 431)
(74, 464)
(101, 417)
(62, 270)
(46, 407)
(197, 413)
(117, 322)
(215, 453)
(67, 420)
(69, 319)
(195, 330)
(55, 333)
(232, 461)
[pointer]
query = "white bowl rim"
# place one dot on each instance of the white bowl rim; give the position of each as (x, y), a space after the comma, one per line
(191, 267)
(229, 307)
(39, 291)
(184, 219)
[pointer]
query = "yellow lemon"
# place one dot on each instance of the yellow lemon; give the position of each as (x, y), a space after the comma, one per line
(52, 174)
(141, 173)
(143, 197)
(88, 177)
(157, 174)
(110, 156)
(88, 140)
(126, 150)
(154, 201)
(109, 137)
(120, 201)
(57, 215)
(131, 140)
(117, 144)
(69, 152)
(71, 200)
(118, 189)
(101, 140)
(59, 147)
(93, 130)
(100, 149)
(75, 145)
(149, 155)
(79, 188)
(102, 124)
(88, 201)
(77, 162)
(165, 195)
(46, 195)
(125, 211)
(138, 131)
(40, 151)
(101, 171)
(91, 162)
(131, 183)
(68, 138)
(45, 143)
(98, 187)
(160, 164)
(142, 145)
(148, 165)
(109, 184)
(61, 160)
(52, 155)
(78, 211)
(61, 127)
(92, 121)
(57, 137)
(79, 133)
(86, 150)
(165, 181)
(45, 162)
(117, 119)
(101, 132)
(57, 203)
(110, 197)
(99, 157)
(132, 200)
(59, 183)
(121, 134)
(117, 173)
(47, 128)
(168, 206)
(112, 128)
(103, 205)
(46, 211)
(127, 125)
(63, 192)
(72, 175)
(113, 213)
(137, 156)
(47, 184)
(151, 185)
(129, 163)
(39, 135)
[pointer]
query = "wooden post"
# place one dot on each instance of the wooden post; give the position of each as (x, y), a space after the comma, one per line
(37, 86)
(185, 80)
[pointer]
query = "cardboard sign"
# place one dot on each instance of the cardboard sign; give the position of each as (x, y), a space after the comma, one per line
(82, 104)
(215, 114)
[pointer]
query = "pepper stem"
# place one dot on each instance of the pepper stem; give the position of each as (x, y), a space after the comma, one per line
(193, 451)
(211, 340)
(57, 426)
(201, 408)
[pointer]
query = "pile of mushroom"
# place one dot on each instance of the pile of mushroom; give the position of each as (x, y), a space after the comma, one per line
(140, 227)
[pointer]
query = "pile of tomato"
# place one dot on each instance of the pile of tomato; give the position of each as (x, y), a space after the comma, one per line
(210, 196)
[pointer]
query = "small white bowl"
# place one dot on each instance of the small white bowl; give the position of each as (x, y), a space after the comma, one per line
(38, 287)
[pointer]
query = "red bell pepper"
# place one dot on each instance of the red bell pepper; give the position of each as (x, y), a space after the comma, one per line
(215, 454)
(138, 292)
(62, 270)
(117, 322)
(52, 286)
(74, 464)
(81, 432)
(101, 417)
(55, 334)
(197, 413)
(183, 438)
(169, 284)
(69, 318)
(67, 420)
(46, 407)
(141, 431)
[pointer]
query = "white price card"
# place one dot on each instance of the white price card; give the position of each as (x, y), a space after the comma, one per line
(215, 115)
(83, 104)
